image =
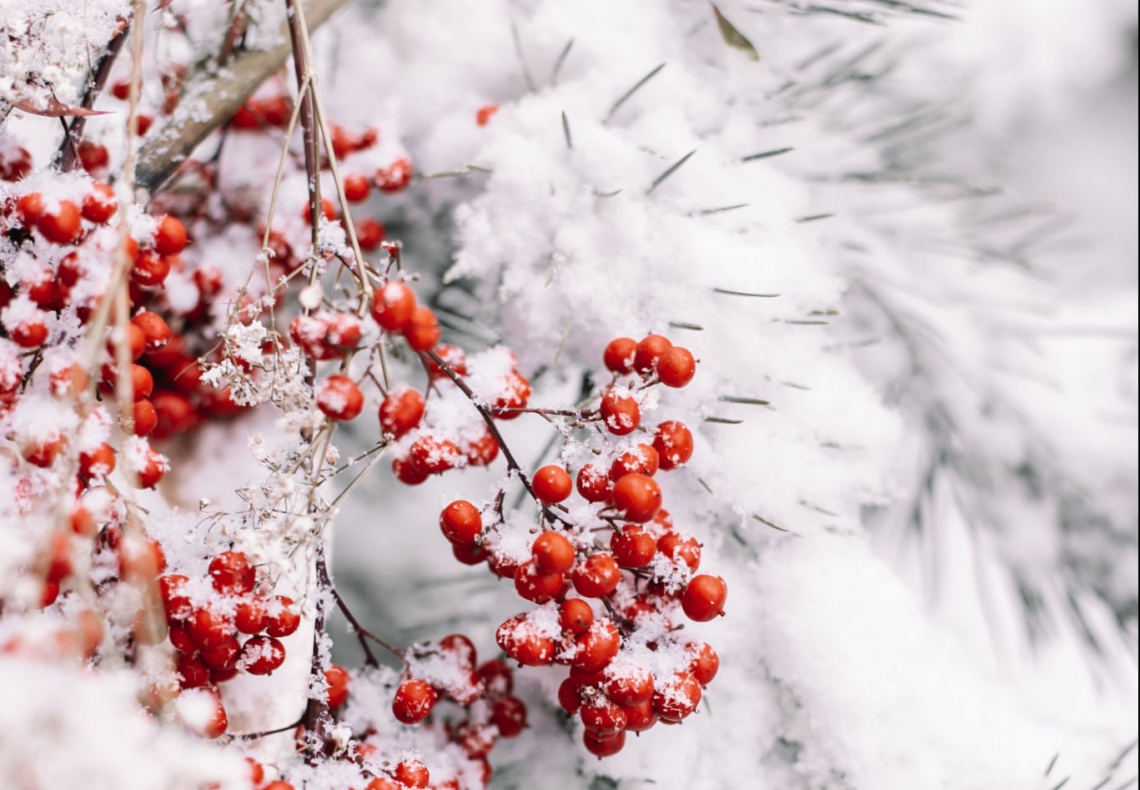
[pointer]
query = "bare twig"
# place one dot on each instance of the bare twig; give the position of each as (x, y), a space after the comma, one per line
(68, 154)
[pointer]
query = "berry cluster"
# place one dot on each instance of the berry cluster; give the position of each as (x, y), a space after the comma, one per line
(207, 626)
(630, 665)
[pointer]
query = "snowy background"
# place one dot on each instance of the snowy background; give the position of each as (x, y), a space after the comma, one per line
(902, 240)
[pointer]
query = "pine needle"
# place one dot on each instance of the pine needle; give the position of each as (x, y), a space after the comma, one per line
(625, 96)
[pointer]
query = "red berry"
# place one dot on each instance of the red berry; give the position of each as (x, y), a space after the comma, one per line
(597, 576)
(620, 412)
(642, 460)
(156, 332)
(174, 599)
(676, 367)
(393, 306)
(597, 647)
(344, 332)
(284, 619)
(509, 715)
(251, 616)
(594, 484)
(674, 444)
(524, 643)
(370, 234)
(93, 156)
(394, 178)
(407, 472)
(15, 163)
(169, 236)
(214, 723)
(422, 332)
(261, 655)
(637, 497)
(603, 718)
(631, 685)
(413, 701)
(603, 747)
(142, 382)
(619, 355)
(469, 554)
(434, 456)
(704, 598)
(356, 188)
(232, 574)
(677, 697)
(483, 114)
(568, 696)
(32, 332)
(461, 522)
(150, 269)
(99, 463)
(209, 628)
(61, 224)
(633, 547)
(156, 464)
(412, 773)
(553, 553)
(146, 418)
(192, 671)
(339, 398)
(337, 678)
(681, 547)
(649, 351)
(100, 204)
(552, 484)
(401, 411)
(705, 663)
(496, 677)
(461, 648)
(224, 656)
(180, 638)
(483, 450)
(515, 394)
(640, 717)
(29, 208)
(538, 587)
(575, 616)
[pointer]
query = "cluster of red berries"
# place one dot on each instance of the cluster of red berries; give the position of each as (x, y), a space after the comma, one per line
(630, 668)
(228, 628)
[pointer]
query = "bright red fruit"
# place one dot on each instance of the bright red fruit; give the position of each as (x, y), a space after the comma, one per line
(676, 367)
(552, 484)
(704, 598)
(461, 522)
(637, 497)
(553, 553)
(413, 701)
(339, 398)
(261, 655)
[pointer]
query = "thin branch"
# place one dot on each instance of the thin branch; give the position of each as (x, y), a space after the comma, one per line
(68, 154)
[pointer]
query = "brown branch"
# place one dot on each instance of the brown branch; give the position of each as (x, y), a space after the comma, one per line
(304, 72)
(512, 464)
(68, 153)
(212, 99)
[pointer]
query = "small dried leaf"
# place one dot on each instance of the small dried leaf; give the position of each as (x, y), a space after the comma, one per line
(55, 109)
(732, 36)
